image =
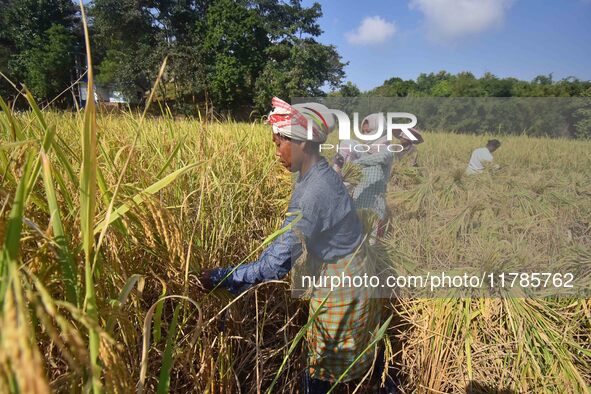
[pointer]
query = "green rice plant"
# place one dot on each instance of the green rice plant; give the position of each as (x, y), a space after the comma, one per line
(174, 196)
(222, 211)
(87, 212)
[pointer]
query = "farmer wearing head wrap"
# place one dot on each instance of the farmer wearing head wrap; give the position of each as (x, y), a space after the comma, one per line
(370, 125)
(409, 150)
(294, 122)
(375, 165)
(321, 220)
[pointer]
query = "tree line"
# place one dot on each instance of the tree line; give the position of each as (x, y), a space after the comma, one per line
(234, 54)
(467, 104)
(465, 84)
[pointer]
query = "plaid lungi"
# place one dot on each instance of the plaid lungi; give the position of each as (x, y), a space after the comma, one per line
(344, 326)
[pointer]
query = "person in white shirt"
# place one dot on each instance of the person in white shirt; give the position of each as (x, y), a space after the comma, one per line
(481, 156)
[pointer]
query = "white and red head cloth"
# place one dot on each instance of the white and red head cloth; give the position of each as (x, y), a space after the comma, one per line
(292, 121)
(374, 121)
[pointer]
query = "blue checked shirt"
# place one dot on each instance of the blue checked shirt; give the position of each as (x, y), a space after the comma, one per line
(329, 225)
(375, 172)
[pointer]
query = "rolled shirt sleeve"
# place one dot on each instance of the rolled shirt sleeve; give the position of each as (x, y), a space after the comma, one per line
(275, 261)
(327, 223)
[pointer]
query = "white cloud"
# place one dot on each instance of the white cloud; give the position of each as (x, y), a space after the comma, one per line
(449, 20)
(373, 30)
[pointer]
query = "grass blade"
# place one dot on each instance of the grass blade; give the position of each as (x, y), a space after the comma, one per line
(87, 208)
(167, 359)
(67, 264)
(294, 342)
(14, 226)
(378, 337)
(123, 294)
(146, 335)
(139, 198)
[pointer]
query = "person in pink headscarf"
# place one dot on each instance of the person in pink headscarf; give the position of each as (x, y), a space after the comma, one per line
(323, 228)
(297, 121)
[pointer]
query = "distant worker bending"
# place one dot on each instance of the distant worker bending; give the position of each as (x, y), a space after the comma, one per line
(481, 157)
(409, 151)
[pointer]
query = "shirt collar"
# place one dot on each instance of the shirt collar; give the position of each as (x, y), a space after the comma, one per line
(320, 164)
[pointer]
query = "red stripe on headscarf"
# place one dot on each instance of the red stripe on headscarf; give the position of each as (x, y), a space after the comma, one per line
(293, 117)
(319, 115)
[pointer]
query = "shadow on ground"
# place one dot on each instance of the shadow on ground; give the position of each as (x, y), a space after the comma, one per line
(479, 388)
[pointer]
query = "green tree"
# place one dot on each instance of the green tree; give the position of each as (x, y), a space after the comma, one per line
(265, 48)
(495, 87)
(441, 89)
(49, 62)
(395, 87)
(37, 40)
(132, 37)
(235, 53)
(583, 123)
(234, 44)
(125, 43)
(426, 82)
(465, 84)
(348, 89)
(298, 69)
(6, 49)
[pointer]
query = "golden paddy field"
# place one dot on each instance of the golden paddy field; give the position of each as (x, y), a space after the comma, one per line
(95, 233)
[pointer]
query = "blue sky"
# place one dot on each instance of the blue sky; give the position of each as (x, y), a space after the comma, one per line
(402, 38)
